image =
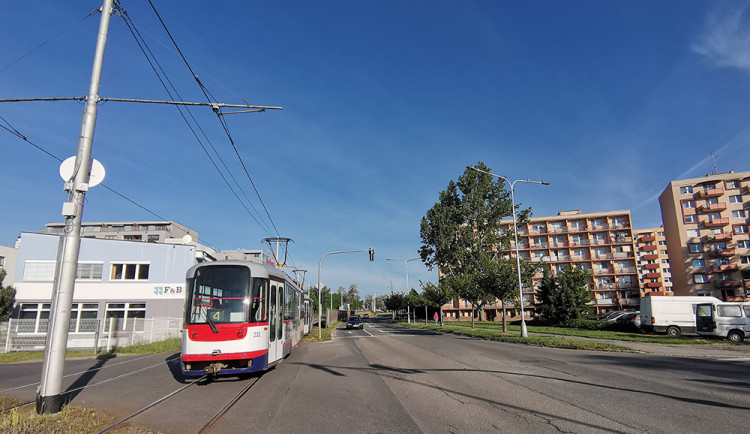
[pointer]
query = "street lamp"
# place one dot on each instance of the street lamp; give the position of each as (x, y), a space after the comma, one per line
(406, 264)
(524, 332)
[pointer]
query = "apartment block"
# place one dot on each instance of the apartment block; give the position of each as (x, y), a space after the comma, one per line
(599, 242)
(652, 261)
(706, 225)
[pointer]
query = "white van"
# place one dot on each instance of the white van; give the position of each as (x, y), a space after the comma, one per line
(674, 315)
(727, 320)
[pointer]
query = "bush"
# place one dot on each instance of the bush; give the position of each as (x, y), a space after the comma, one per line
(587, 324)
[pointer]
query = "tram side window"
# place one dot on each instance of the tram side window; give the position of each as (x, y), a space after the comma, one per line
(260, 287)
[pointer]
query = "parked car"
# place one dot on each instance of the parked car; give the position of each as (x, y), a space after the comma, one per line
(727, 320)
(366, 316)
(605, 316)
(614, 317)
(354, 321)
(630, 318)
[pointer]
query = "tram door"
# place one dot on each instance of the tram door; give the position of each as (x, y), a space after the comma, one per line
(275, 323)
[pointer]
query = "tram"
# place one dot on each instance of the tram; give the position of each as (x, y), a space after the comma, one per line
(240, 317)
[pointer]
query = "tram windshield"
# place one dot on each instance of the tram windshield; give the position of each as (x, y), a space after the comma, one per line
(219, 295)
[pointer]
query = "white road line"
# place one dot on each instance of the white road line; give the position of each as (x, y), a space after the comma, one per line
(367, 332)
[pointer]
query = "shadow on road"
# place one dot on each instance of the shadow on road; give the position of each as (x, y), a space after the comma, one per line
(74, 389)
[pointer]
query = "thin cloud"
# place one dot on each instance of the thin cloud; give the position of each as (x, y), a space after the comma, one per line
(725, 40)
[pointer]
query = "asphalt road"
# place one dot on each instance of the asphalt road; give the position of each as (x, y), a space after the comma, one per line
(387, 378)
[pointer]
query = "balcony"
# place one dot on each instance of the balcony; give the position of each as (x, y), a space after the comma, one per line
(540, 246)
(650, 257)
(652, 275)
(646, 239)
(630, 301)
(653, 284)
(714, 207)
(622, 240)
(649, 248)
(651, 266)
(660, 293)
(734, 298)
(722, 268)
(732, 283)
(627, 270)
(716, 223)
(603, 256)
(580, 243)
(720, 237)
(604, 287)
(605, 302)
(560, 230)
(714, 192)
(604, 271)
(721, 253)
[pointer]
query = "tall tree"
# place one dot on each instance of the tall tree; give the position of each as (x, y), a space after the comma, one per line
(460, 234)
(564, 297)
(7, 296)
(437, 295)
(395, 302)
(502, 282)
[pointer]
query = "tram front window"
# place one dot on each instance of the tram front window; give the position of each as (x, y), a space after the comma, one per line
(219, 295)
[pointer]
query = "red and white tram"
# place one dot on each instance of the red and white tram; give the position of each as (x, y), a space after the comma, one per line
(240, 317)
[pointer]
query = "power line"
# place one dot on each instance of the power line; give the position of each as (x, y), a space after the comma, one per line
(151, 59)
(218, 113)
(18, 134)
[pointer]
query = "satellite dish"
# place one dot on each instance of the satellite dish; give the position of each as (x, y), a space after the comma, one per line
(187, 239)
(96, 176)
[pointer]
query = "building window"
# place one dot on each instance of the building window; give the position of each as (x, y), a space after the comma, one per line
(83, 317)
(129, 272)
(34, 317)
(714, 216)
(738, 213)
(39, 271)
(686, 190)
(691, 218)
(89, 271)
(153, 238)
(740, 229)
(695, 248)
(733, 184)
(700, 278)
(688, 203)
(743, 244)
(744, 259)
(699, 263)
(661, 234)
(692, 233)
(735, 199)
(720, 246)
(125, 315)
(2, 261)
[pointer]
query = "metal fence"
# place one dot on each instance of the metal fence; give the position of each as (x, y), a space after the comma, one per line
(89, 334)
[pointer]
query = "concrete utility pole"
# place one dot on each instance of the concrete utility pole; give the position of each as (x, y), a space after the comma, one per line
(49, 399)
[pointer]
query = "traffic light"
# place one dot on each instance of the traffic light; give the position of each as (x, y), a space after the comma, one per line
(372, 254)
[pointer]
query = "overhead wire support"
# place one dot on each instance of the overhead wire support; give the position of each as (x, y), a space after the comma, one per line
(214, 105)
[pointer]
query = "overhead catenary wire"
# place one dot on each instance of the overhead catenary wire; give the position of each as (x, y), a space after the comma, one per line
(221, 120)
(162, 77)
(12, 130)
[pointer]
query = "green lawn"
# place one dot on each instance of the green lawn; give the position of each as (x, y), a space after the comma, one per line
(593, 334)
(539, 341)
(325, 334)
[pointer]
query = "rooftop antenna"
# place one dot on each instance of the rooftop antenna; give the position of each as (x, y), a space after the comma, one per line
(278, 241)
(713, 157)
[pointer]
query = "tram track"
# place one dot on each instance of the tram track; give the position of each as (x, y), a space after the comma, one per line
(217, 417)
(127, 374)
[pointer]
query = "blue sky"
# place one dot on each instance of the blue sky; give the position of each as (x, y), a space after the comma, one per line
(384, 103)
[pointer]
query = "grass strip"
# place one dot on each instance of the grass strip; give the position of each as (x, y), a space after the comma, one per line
(325, 334)
(69, 420)
(593, 334)
(538, 341)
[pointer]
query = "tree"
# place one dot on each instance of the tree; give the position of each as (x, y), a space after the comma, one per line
(7, 296)
(502, 282)
(564, 297)
(352, 296)
(437, 295)
(395, 302)
(460, 234)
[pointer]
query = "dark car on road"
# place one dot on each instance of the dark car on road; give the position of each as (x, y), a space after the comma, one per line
(354, 321)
